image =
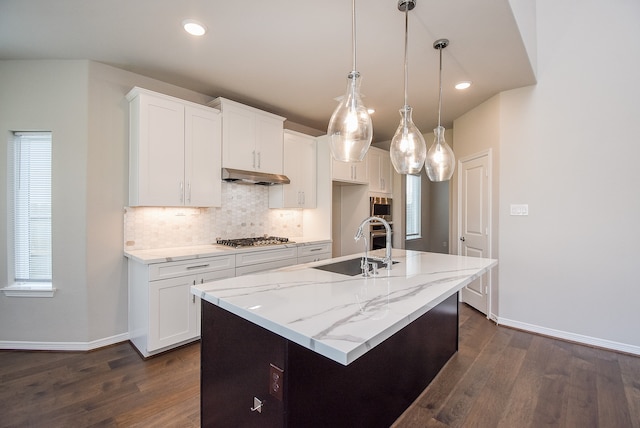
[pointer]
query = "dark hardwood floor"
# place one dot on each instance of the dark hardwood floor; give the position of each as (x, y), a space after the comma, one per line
(499, 378)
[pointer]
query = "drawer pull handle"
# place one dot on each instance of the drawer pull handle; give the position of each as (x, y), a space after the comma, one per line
(198, 266)
(315, 249)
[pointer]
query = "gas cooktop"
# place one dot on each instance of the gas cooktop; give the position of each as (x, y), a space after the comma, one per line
(253, 242)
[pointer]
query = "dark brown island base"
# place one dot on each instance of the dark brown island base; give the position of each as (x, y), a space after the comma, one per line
(240, 361)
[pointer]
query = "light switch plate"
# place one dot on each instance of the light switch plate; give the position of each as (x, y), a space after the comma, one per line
(519, 209)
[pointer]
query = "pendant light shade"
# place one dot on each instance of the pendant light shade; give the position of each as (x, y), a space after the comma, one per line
(440, 161)
(440, 158)
(350, 128)
(408, 149)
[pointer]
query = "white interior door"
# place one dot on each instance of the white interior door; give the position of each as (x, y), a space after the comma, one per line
(473, 222)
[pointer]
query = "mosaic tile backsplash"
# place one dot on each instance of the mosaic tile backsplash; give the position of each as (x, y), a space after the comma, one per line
(244, 213)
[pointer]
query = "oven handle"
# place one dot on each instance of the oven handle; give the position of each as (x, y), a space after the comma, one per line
(378, 234)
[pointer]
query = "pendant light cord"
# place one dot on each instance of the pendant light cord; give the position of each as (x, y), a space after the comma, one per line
(353, 32)
(406, 43)
(440, 85)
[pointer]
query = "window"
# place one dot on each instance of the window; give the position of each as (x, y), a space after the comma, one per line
(413, 206)
(30, 214)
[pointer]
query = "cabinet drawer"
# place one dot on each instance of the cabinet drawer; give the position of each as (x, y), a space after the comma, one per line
(245, 270)
(310, 250)
(265, 256)
(190, 267)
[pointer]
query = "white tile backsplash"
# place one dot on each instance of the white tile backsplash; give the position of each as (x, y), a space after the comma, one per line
(244, 213)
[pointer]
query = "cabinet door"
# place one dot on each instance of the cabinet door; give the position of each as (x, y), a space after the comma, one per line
(386, 173)
(202, 157)
(361, 171)
(380, 175)
(157, 152)
(300, 159)
(350, 172)
(201, 279)
(375, 178)
(269, 143)
(172, 314)
(238, 138)
(307, 173)
(341, 171)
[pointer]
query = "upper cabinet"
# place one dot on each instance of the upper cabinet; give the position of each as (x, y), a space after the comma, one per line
(350, 172)
(174, 151)
(380, 171)
(300, 159)
(251, 138)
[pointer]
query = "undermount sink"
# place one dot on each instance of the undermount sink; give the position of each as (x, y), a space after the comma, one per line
(349, 267)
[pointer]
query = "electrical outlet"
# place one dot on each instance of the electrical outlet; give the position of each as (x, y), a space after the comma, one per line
(519, 209)
(276, 381)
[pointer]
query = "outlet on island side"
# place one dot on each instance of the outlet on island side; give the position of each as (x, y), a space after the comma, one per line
(276, 381)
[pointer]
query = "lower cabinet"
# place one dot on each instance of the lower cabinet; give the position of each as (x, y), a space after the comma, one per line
(163, 313)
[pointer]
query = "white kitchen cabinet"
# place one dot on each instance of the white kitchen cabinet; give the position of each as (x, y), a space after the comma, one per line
(174, 151)
(252, 139)
(350, 172)
(380, 171)
(314, 252)
(300, 159)
(163, 313)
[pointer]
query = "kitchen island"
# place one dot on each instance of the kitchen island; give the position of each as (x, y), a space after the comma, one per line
(304, 346)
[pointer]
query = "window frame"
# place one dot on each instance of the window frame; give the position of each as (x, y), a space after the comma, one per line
(414, 199)
(29, 287)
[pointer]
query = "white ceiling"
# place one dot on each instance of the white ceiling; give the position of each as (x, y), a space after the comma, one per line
(291, 58)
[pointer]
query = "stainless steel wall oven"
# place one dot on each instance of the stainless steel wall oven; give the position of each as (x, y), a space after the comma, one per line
(379, 207)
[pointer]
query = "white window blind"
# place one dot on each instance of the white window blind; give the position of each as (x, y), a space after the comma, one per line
(413, 206)
(30, 177)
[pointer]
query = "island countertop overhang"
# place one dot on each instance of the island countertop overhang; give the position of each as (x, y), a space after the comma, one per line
(342, 317)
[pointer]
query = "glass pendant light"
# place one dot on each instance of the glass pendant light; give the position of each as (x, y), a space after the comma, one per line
(408, 149)
(350, 128)
(440, 161)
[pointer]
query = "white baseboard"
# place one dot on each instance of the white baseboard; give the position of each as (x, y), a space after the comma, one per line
(63, 346)
(573, 337)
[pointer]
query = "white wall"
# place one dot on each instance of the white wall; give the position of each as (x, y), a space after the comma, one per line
(569, 148)
(83, 104)
(50, 96)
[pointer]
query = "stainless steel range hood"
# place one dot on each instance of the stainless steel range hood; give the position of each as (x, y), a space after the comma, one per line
(253, 177)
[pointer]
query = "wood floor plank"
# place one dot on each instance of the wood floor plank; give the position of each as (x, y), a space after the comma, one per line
(470, 387)
(630, 370)
(582, 406)
(489, 407)
(613, 410)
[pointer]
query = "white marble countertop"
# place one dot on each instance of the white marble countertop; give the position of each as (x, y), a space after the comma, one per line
(339, 316)
(160, 255)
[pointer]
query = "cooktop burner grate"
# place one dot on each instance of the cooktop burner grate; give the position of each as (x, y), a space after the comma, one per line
(253, 242)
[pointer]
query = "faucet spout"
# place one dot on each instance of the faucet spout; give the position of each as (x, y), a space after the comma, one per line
(373, 219)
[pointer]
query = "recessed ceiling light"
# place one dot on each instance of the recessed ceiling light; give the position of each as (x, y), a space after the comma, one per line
(371, 110)
(463, 85)
(193, 27)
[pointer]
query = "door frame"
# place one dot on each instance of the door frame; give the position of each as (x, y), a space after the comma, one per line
(488, 153)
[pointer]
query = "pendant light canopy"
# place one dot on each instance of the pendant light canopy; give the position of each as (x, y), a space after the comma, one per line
(408, 149)
(350, 128)
(440, 161)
